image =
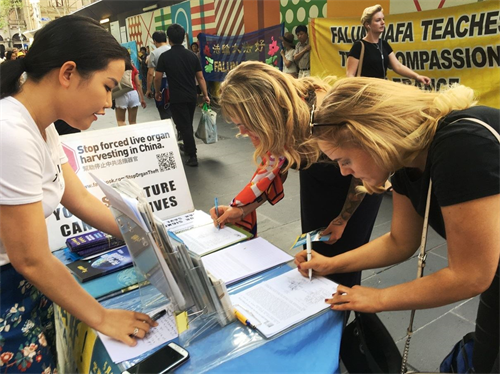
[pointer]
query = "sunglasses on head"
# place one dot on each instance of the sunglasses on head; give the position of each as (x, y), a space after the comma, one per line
(312, 125)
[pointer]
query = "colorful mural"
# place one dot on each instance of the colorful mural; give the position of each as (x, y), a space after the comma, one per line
(181, 14)
(294, 12)
(229, 17)
(163, 18)
(236, 17)
(202, 17)
(260, 14)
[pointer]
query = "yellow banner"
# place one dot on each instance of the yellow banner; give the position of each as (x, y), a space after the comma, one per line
(458, 44)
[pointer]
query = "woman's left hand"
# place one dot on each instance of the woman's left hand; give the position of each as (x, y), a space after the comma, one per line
(335, 229)
(143, 103)
(358, 298)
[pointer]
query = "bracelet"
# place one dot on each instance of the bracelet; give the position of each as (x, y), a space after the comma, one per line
(242, 212)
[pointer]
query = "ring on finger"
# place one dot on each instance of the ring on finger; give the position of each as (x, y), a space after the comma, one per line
(136, 331)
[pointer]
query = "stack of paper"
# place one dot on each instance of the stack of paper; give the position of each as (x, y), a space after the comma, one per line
(244, 260)
(281, 302)
(207, 238)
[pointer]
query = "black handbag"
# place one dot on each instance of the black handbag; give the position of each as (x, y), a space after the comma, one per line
(367, 346)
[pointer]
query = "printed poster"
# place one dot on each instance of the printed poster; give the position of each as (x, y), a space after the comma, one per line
(146, 154)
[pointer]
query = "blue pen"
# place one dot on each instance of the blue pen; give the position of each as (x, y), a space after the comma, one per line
(217, 212)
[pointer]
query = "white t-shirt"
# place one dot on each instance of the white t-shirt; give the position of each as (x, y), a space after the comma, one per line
(289, 56)
(30, 167)
(155, 56)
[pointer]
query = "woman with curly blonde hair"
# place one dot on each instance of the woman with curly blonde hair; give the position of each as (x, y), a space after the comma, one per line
(274, 110)
(373, 128)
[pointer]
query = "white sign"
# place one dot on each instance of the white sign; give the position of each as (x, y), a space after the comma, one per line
(146, 153)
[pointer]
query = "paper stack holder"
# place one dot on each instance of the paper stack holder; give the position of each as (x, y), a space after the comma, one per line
(166, 271)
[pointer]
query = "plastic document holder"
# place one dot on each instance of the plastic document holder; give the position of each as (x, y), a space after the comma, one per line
(160, 262)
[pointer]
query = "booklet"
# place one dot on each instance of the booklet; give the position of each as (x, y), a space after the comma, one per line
(315, 237)
(99, 266)
(283, 301)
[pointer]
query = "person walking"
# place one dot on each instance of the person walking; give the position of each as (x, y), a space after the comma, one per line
(181, 67)
(378, 54)
(130, 100)
(143, 68)
(161, 45)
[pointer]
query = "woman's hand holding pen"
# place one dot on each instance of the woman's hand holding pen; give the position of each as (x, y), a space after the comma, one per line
(227, 214)
(320, 264)
(125, 325)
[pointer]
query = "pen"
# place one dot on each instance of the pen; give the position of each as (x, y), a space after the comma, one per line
(243, 319)
(308, 248)
(118, 293)
(157, 316)
(217, 212)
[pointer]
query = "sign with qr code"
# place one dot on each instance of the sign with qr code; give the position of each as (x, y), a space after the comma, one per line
(147, 153)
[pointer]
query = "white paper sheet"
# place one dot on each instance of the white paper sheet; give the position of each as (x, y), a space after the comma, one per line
(123, 203)
(274, 305)
(206, 239)
(244, 259)
(187, 221)
(164, 332)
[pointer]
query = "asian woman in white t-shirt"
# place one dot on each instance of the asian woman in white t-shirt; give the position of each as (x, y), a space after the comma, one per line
(65, 82)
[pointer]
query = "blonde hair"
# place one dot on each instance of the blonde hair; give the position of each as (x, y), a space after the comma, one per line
(369, 12)
(393, 122)
(274, 106)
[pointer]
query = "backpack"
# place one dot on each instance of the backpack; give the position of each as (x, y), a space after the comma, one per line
(459, 360)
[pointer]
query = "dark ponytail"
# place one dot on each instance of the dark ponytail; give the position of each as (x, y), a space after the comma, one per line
(10, 73)
(69, 38)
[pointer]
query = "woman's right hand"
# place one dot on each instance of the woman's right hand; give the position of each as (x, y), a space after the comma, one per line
(227, 214)
(319, 264)
(121, 324)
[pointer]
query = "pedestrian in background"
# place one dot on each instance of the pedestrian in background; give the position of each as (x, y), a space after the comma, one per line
(161, 45)
(289, 66)
(143, 68)
(378, 54)
(181, 67)
(302, 55)
(131, 100)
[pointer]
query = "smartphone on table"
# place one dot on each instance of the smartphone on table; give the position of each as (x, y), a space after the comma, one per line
(162, 361)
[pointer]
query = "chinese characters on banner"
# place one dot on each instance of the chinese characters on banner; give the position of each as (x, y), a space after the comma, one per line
(219, 54)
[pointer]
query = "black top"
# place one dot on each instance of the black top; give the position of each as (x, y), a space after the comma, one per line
(463, 161)
(180, 65)
(372, 60)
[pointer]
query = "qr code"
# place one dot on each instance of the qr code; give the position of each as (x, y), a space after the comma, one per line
(166, 161)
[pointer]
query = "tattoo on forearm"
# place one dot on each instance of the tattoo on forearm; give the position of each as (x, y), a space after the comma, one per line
(352, 201)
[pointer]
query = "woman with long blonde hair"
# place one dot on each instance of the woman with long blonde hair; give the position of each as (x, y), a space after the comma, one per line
(273, 110)
(373, 128)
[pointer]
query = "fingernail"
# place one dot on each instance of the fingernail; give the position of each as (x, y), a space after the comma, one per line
(326, 300)
(298, 267)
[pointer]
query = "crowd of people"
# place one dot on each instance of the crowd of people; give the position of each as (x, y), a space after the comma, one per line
(347, 137)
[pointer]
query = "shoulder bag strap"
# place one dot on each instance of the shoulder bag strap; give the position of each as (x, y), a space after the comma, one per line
(423, 255)
(361, 56)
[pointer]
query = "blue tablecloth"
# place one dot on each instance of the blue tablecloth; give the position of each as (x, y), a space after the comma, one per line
(310, 347)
